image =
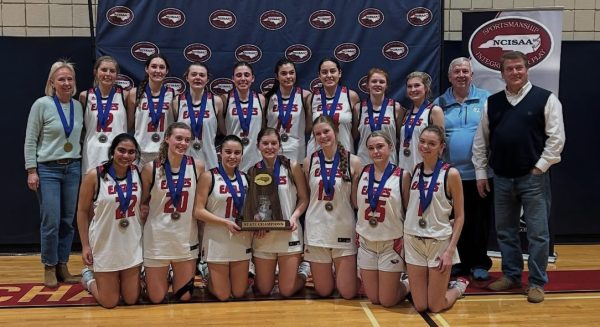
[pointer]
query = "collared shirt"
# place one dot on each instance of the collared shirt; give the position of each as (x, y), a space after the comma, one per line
(554, 129)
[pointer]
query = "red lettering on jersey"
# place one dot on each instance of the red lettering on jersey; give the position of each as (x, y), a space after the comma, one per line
(338, 107)
(282, 180)
(166, 105)
(244, 111)
(415, 186)
(419, 123)
(186, 114)
(223, 189)
(94, 107)
(338, 173)
(113, 190)
(386, 193)
(386, 120)
(294, 108)
(187, 182)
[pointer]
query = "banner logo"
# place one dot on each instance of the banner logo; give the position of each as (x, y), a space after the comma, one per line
(298, 53)
(222, 19)
(322, 19)
(363, 84)
(171, 17)
(221, 86)
(370, 17)
(197, 52)
(273, 20)
(347, 52)
(119, 15)
(175, 83)
(248, 53)
(267, 85)
(124, 81)
(395, 50)
(419, 16)
(315, 85)
(492, 39)
(143, 50)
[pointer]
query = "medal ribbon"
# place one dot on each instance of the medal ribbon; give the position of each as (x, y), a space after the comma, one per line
(409, 128)
(238, 201)
(175, 189)
(374, 196)
(276, 169)
(244, 119)
(334, 103)
(284, 117)
(375, 126)
(425, 199)
(68, 127)
(103, 111)
(124, 199)
(196, 124)
(155, 113)
(328, 183)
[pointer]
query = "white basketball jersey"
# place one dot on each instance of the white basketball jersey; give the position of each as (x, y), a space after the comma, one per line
(144, 129)
(409, 162)
(165, 237)
(233, 126)
(388, 126)
(114, 247)
(388, 212)
(218, 244)
(335, 228)
(295, 147)
(95, 152)
(342, 117)
(207, 152)
(437, 215)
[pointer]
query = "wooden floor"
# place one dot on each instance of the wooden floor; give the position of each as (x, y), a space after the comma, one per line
(581, 309)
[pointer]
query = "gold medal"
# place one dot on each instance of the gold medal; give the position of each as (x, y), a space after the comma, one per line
(245, 141)
(422, 223)
(124, 223)
(175, 215)
(156, 137)
(284, 137)
(373, 221)
(197, 146)
(406, 152)
(68, 147)
(328, 206)
(102, 138)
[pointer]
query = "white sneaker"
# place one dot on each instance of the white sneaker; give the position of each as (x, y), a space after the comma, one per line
(460, 284)
(304, 270)
(251, 270)
(87, 277)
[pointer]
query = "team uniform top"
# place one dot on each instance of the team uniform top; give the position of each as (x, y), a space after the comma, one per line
(144, 129)
(335, 228)
(277, 241)
(95, 152)
(409, 162)
(233, 126)
(114, 247)
(165, 237)
(437, 215)
(208, 152)
(388, 126)
(295, 147)
(389, 214)
(218, 243)
(342, 117)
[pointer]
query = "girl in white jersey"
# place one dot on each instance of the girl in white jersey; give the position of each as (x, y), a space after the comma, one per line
(205, 126)
(377, 113)
(429, 237)
(423, 114)
(244, 113)
(335, 101)
(286, 111)
(111, 238)
(283, 248)
(105, 115)
(330, 221)
(170, 231)
(150, 107)
(380, 223)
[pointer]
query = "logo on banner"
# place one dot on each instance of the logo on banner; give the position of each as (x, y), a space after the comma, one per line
(273, 19)
(419, 16)
(322, 19)
(370, 17)
(171, 17)
(298, 53)
(222, 19)
(315, 85)
(221, 86)
(197, 52)
(175, 83)
(347, 52)
(143, 50)
(267, 85)
(248, 53)
(119, 15)
(124, 81)
(395, 50)
(492, 39)
(363, 84)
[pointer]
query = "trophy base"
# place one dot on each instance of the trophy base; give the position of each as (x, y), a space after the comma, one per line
(248, 225)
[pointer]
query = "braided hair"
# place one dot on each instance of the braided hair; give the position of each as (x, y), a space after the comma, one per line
(281, 62)
(142, 86)
(344, 154)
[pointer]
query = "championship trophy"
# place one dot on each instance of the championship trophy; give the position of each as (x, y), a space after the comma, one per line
(262, 210)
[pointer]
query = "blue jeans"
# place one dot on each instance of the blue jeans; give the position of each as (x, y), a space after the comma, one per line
(57, 196)
(532, 192)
